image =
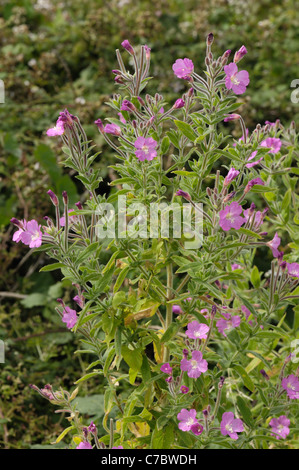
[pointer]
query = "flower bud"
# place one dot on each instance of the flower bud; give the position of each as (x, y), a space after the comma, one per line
(210, 39)
(240, 54)
(53, 197)
(126, 45)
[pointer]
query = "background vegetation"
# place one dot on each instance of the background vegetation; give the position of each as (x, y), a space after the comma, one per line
(57, 54)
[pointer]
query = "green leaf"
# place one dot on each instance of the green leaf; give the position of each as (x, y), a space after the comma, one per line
(52, 267)
(186, 129)
(255, 277)
(121, 277)
(244, 376)
(170, 332)
(245, 411)
(132, 357)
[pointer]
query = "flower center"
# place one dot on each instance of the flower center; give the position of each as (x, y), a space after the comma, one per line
(35, 235)
(235, 80)
(190, 422)
(292, 387)
(193, 364)
(145, 149)
(229, 427)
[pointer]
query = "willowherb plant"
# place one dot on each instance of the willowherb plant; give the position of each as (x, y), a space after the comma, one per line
(193, 341)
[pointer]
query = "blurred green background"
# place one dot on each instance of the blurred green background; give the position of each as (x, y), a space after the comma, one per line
(57, 54)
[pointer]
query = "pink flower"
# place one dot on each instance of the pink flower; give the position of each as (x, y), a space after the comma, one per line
(69, 317)
(280, 427)
(274, 244)
(179, 104)
(291, 385)
(187, 419)
(197, 429)
(17, 236)
(166, 368)
(196, 366)
(177, 309)
(126, 45)
(127, 106)
(272, 143)
(236, 266)
(121, 118)
(230, 217)
(117, 447)
(183, 68)
(58, 129)
(182, 193)
(231, 117)
(252, 183)
(112, 129)
(231, 175)
(184, 389)
(258, 219)
(197, 330)
(231, 426)
(236, 81)
(230, 322)
(30, 234)
(84, 445)
(72, 218)
(293, 269)
(252, 156)
(145, 148)
(240, 54)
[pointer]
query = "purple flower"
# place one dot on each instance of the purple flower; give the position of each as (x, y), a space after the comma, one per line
(195, 366)
(29, 233)
(112, 129)
(240, 54)
(179, 104)
(236, 266)
(145, 148)
(272, 143)
(92, 428)
(291, 385)
(183, 68)
(230, 322)
(293, 269)
(121, 118)
(280, 427)
(117, 447)
(127, 106)
(166, 368)
(197, 330)
(274, 244)
(58, 129)
(183, 194)
(231, 117)
(184, 389)
(126, 45)
(236, 81)
(177, 309)
(231, 175)
(84, 445)
(231, 426)
(99, 124)
(197, 429)
(187, 419)
(252, 156)
(252, 183)
(230, 217)
(72, 218)
(69, 317)
(147, 52)
(258, 219)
